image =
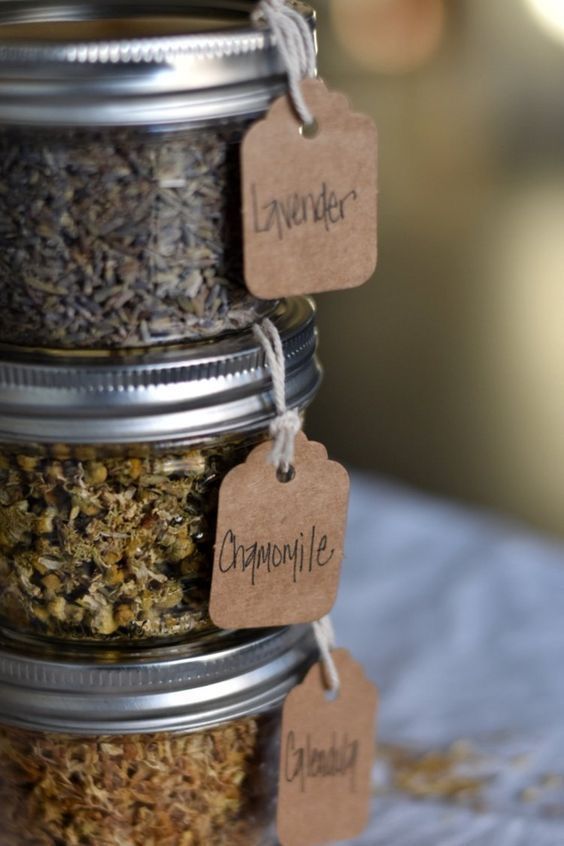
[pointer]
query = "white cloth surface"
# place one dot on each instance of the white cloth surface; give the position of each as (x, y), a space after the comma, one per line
(459, 619)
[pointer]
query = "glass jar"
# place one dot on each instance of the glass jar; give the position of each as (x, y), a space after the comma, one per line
(120, 126)
(109, 475)
(173, 747)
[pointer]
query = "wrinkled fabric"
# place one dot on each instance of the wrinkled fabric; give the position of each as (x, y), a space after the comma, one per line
(459, 618)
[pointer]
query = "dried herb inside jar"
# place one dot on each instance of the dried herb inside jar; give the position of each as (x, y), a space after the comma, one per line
(142, 790)
(120, 237)
(103, 546)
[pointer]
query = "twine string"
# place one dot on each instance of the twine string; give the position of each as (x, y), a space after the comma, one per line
(325, 636)
(296, 44)
(285, 426)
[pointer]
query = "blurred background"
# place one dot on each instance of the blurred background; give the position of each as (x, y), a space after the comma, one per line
(446, 371)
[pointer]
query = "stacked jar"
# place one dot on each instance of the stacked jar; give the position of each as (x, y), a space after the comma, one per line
(131, 382)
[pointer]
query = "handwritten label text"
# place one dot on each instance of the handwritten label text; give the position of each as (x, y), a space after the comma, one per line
(309, 761)
(296, 210)
(304, 554)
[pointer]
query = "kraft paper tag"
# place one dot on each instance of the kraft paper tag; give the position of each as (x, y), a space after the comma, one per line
(327, 756)
(279, 545)
(309, 204)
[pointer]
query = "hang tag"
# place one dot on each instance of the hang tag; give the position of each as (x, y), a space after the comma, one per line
(279, 545)
(327, 756)
(309, 203)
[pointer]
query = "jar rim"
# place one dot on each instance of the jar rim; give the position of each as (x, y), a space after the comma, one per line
(194, 78)
(178, 393)
(185, 687)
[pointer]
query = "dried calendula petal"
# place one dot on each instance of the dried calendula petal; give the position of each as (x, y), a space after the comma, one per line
(202, 789)
(110, 544)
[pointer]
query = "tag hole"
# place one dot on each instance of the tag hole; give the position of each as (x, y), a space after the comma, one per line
(310, 130)
(286, 476)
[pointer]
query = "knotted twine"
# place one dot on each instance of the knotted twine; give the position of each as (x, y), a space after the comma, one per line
(283, 431)
(287, 423)
(296, 43)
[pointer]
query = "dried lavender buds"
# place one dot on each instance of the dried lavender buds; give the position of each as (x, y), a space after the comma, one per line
(98, 545)
(120, 238)
(196, 789)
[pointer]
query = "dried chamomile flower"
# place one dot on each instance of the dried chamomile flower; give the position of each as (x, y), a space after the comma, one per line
(110, 545)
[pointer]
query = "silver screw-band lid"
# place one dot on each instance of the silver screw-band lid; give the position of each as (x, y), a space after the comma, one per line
(215, 679)
(211, 64)
(178, 393)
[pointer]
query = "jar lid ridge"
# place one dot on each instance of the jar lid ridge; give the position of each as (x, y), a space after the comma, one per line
(185, 392)
(195, 78)
(217, 678)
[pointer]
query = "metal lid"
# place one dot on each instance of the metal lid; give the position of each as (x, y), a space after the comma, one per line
(209, 62)
(215, 679)
(180, 393)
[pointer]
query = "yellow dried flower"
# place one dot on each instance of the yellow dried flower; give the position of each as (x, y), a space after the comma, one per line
(128, 533)
(199, 789)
